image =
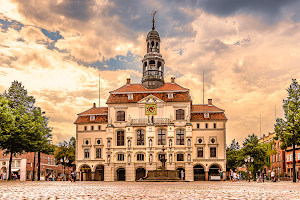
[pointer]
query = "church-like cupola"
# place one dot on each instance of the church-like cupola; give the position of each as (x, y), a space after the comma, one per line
(153, 63)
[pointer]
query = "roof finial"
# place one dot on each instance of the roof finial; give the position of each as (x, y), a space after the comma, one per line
(153, 13)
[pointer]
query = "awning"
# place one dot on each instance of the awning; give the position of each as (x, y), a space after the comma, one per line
(15, 170)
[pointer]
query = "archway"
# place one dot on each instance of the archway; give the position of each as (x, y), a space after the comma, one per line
(99, 173)
(214, 170)
(86, 174)
(121, 174)
(140, 173)
(179, 172)
(199, 174)
(3, 170)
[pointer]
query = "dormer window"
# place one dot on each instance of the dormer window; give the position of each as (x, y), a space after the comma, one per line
(92, 118)
(130, 96)
(170, 95)
(206, 115)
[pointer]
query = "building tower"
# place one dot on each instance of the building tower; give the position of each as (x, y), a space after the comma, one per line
(153, 63)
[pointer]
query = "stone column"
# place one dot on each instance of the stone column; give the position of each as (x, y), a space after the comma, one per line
(189, 173)
(206, 176)
(93, 176)
(109, 173)
(129, 172)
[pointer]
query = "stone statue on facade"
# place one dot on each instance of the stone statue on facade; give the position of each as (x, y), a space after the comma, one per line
(171, 118)
(109, 120)
(188, 119)
(129, 119)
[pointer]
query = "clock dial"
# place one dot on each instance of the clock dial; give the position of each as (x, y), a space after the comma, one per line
(150, 109)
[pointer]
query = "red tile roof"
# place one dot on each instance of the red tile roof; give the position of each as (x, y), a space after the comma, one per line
(205, 108)
(123, 98)
(212, 116)
(140, 88)
(86, 119)
(94, 110)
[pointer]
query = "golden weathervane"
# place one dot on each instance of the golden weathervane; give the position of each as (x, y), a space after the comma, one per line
(153, 13)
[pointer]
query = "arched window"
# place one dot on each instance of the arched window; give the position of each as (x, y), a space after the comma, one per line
(180, 137)
(156, 44)
(120, 138)
(120, 116)
(152, 62)
(161, 137)
(152, 43)
(148, 45)
(179, 114)
(140, 137)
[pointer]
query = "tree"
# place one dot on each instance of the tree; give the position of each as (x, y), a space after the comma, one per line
(288, 129)
(65, 152)
(255, 150)
(28, 131)
(234, 156)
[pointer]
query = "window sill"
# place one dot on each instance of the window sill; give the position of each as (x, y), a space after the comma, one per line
(86, 158)
(86, 145)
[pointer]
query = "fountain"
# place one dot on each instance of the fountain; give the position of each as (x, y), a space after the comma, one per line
(162, 175)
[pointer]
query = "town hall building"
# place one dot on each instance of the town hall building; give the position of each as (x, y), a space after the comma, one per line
(126, 139)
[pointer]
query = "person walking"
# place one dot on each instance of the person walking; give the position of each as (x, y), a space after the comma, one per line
(231, 175)
(221, 174)
(74, 176)
(182, 174)
(273, 176)
(258, 176)
(4, 176)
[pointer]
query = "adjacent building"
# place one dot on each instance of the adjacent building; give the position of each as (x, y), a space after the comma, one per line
(23, 166)
(143, 121)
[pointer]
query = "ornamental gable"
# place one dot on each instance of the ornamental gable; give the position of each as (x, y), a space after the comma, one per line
(151, 99)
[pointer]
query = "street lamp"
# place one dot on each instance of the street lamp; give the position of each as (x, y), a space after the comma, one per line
(248, 160)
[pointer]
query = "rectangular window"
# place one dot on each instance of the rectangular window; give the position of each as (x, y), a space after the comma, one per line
(85, 128)
(298, 156)
(200, 152)
(206, 125)
(92, 118)
(3, 163)
(180, 157)
(13, 164)
(291, 157)
(279, 157)
(213, 152)
(151, 83)
(92, 128)
(140, 157)
(86, 153)
(276, 158)
(98, 152)
(120, 157)
(18, 163)
(48, 160)
(130, 96)
(206, 115)
(275, 146)
(287, 158)
(51, 161)
(99, 127)
(170, 95)
(272, 158)
(198, 125)
(215, 125)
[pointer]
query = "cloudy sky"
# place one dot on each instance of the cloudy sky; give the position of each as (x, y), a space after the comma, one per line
(249, 50)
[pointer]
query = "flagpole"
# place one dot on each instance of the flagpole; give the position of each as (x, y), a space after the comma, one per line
(99, 90)
(203, 86)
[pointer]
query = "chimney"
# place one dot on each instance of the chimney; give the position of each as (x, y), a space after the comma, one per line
(128, 81)
(210, 102)
(94, 105)
(173, 80)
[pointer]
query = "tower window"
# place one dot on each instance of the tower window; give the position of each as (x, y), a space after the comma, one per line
(152, 43)
(215, 125)
(156, 44)
(198, 125)
(151, 83)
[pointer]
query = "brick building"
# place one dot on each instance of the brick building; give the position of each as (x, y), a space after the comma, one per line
(22, 165)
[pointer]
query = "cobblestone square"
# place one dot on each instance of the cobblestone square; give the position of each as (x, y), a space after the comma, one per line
(146, 190)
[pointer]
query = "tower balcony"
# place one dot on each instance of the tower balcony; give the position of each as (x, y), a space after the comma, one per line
(153, 75)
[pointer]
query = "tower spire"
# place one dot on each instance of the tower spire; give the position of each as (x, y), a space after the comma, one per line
(153, 13)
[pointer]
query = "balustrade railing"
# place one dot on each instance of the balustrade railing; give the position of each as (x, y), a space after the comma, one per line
(153, 73)
(155, 121)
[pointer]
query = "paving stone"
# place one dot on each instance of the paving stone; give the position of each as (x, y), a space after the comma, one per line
(139, 190)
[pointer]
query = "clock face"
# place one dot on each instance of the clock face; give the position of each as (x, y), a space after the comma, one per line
(150, 109)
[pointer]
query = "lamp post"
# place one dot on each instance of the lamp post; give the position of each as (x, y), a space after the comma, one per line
(248, 160)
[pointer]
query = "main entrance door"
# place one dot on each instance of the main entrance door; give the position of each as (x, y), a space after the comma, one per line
(121, 174)
(140, 173)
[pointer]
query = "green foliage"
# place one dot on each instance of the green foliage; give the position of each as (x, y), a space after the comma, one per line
(257, 151)
(23, 126)
(234, 156)
(66, 152)
(288, 129)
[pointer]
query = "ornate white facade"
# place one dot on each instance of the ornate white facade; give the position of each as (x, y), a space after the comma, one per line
(124, 140)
